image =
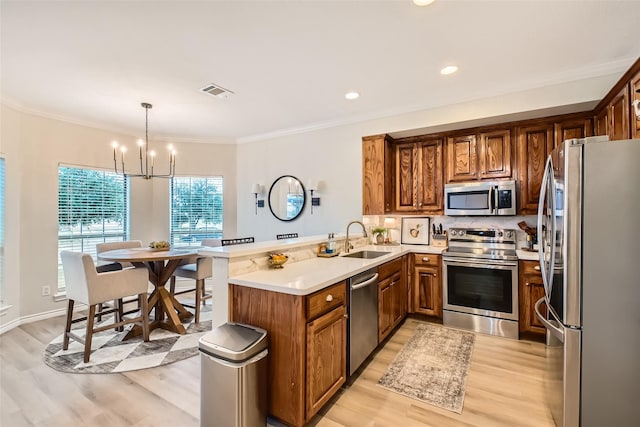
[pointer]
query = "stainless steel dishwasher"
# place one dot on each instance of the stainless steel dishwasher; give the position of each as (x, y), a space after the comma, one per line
(363, 317)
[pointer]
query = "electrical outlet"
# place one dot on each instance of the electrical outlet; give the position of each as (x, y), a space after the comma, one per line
(46, 291)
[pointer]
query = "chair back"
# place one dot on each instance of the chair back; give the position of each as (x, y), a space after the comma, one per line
(112, 246)
(79, 269)
(212, 243)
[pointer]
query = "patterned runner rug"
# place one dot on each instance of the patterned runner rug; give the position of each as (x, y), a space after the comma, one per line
(110, 354)
(432, 367)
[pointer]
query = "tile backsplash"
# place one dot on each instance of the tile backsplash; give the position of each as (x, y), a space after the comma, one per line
(456, 221)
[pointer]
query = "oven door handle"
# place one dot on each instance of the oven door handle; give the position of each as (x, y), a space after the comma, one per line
(496, 266)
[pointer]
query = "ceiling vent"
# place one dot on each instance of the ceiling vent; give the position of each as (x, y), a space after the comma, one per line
(217, 91)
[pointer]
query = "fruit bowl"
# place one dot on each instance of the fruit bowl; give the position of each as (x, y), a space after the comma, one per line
(276, 260)
(159, 246)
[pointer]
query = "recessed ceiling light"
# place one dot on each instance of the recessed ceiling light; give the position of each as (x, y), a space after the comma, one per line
(422, 2)
(449, 69)
(352, 95)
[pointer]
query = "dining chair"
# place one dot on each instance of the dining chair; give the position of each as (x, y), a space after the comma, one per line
(86, 286)
(199, 271)
(103, 266)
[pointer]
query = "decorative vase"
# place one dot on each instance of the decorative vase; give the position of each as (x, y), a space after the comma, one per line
(379, 239)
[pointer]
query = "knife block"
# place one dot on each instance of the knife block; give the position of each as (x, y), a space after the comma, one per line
(439, 239)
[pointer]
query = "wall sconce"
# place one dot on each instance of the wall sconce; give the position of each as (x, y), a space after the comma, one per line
(255, 190)
(312, 186)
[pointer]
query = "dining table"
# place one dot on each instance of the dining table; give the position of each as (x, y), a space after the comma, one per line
(161, 264)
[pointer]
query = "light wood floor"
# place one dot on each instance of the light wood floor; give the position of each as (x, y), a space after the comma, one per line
(504, 388)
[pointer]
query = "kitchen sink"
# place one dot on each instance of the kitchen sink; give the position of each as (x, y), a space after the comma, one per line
(365, 254)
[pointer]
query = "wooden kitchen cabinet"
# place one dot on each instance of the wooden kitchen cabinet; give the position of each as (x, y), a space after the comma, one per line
(494, 154)
(326, 358)
(307, 345)
(574, 128)
(377, 174)
(427, 284)
(634, 91)
(619, 114)
(462, 158)
(601, 122)
(418, 176)
(392, 297)
(531, 289)
(534, 143)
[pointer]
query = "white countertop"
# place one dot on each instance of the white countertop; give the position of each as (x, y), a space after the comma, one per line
(308, 276)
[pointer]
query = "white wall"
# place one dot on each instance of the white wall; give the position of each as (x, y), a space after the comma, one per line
(334, 156)
(34, 147)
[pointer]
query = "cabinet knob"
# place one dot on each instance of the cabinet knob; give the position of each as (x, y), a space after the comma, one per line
(392, 283)
(435, 275)
(425, 259)
(527, 283)
(329, 298)
(536, 268)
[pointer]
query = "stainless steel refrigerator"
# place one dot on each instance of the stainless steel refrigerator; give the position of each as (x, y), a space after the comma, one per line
(589, 247)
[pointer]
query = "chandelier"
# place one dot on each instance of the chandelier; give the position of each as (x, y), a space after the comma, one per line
(147, 162)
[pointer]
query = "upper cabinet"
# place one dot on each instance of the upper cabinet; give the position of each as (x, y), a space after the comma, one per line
(486, 155)
(462, 158)
(534, 145)
(377, 174)
(495, 154)
(634, 86)
(418, 175)
(615, 115)
(572, 128)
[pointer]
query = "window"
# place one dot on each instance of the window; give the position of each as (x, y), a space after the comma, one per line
(92, 208)
(1, 230)
(196, 209)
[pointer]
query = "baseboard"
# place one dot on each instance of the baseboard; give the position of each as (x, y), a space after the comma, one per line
(32, 318)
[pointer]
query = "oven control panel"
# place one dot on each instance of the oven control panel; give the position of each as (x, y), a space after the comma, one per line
(488, 235)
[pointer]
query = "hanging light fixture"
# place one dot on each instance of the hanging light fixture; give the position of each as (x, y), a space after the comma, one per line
(147, 163)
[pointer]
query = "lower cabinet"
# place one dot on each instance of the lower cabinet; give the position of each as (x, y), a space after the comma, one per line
(531, 289)
(326, 358)
(427, 284)
(307, 345)
(392, 296)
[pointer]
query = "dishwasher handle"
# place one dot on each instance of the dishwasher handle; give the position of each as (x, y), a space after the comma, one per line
(365, 283)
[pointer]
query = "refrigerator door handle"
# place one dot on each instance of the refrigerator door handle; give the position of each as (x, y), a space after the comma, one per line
(553, 328)
(542, 241)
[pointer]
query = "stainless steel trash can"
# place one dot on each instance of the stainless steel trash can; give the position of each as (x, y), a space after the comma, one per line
(233, 385)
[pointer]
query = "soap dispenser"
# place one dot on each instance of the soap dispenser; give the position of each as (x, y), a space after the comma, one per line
(331, 243)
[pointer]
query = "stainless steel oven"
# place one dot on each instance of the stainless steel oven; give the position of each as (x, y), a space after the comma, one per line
(480, 279)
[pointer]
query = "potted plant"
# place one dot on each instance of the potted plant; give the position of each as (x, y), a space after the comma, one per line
(378, 233)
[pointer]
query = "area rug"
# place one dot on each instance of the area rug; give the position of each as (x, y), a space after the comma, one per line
(110, 354)
(432, 367)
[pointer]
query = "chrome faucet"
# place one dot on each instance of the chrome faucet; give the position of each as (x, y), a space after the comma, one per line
(347, 245)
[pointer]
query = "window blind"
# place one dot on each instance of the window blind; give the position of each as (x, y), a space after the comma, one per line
(196, 209)
(92, 208)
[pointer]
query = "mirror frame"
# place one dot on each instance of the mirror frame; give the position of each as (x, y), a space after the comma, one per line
(304, 197)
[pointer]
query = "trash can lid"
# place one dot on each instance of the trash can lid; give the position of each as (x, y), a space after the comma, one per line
(234, 341)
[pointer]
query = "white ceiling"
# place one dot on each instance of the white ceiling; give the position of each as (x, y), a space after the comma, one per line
(290, 63)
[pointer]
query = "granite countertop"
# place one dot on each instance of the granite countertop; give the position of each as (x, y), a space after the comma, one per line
(311, 275)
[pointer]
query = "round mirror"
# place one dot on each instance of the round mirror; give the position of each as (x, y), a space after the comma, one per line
(286, 198)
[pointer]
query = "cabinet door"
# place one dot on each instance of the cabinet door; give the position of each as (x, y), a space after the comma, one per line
(531, 290)
(577, 128)
(406, 177)
(619, 116)
(635, 105)
(429, 188)
(462, 158)
(495, 154)
(601, 122)
(377, 172)
(534, 145)
(385, 309)
(427, 291)
(397, 290)
(326, 358)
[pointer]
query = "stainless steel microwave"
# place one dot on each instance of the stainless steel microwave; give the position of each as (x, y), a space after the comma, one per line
(480, 198)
